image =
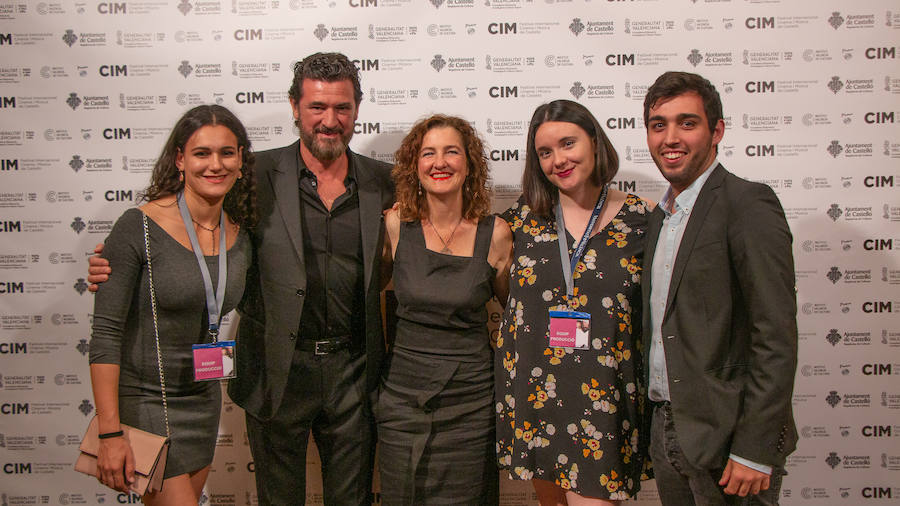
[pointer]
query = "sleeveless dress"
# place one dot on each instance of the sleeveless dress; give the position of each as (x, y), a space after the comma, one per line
(565, 415)
(435, 406)
(122, 334)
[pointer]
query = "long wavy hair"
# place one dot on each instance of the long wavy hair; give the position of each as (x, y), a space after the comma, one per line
(540, 194)
(412, 204)
(240, 201)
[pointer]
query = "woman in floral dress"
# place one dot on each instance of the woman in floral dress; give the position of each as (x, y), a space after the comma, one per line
(568, 415)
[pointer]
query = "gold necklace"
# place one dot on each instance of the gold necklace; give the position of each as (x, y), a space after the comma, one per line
(446, 249)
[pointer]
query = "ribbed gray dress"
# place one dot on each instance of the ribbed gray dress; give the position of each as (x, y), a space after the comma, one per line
(122, 333)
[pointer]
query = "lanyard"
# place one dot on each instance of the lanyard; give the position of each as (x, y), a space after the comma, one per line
(213, 303)
(582, 244)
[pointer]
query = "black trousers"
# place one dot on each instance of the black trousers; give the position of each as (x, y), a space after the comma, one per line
(326, 396)
(681, 484)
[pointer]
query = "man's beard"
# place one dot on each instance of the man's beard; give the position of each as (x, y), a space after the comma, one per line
(328, 150)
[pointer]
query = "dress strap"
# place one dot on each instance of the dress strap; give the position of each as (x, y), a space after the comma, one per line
(483, 237)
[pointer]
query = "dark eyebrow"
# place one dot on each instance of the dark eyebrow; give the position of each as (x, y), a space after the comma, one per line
(682, 117)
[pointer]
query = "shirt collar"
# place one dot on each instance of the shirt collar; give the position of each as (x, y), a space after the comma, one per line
(305, 173)
(685, 200)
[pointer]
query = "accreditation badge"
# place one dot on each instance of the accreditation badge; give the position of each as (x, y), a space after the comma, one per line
(570, 329)
(214, 361)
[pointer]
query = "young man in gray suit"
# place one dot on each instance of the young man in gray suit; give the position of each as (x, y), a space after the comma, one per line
(310, 341)
(719, 323)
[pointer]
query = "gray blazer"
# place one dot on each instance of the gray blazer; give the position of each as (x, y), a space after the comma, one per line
(276, 281)
(730, 328)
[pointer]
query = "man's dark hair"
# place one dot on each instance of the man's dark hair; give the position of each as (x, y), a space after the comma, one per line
(328, 67)
(672, 84)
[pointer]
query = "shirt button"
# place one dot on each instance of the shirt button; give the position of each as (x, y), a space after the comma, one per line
(670, 337)
(301, 292)
(676, 381)
(293, 336)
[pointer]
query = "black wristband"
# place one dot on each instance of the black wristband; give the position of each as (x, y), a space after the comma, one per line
(110, 434)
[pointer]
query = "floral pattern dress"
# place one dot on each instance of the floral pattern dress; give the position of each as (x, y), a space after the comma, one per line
(566, 415)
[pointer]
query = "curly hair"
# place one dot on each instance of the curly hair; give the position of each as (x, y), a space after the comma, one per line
(540, 193)
(671, 84)
(240, 201)
(328, 67)
(476, 196)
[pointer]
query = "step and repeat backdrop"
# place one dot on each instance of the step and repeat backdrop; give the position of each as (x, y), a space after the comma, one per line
(89, 91)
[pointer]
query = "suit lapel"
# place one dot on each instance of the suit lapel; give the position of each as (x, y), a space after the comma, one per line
(285, 181)
(370, 216)
(654, 225)
(705, 200)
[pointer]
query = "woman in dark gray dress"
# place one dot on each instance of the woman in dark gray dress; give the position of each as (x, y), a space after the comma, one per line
(449, 256)
(207, 168)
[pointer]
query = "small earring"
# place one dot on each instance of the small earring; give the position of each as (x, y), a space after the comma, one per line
(420, 188)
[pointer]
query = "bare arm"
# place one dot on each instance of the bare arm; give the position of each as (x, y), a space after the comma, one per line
(500, 258)
(115, 461)
(391, 234)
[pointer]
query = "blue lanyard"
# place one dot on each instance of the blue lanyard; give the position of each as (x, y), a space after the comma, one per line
(213, 302)
(582, 244)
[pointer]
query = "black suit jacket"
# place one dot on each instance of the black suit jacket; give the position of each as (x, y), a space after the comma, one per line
(730, 329)
(276, 281)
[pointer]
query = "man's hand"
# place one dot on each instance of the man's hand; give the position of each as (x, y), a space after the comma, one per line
(741, 480)
(98, 269)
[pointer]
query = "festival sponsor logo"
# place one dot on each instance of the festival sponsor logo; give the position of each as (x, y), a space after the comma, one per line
(384, 156)
(815, 183)
(648, 27)
(592, 27)
(515, 28)
(507, 64)
(815, 246)
(850, 150)
(404, 96)
(760, 58)
(766, 122)
(27, 102)
(849, 276)
(84, 39)
(139, 40)
(837, 461)
(453, 4)
(24, 38)
(142, 102)
(781, 87)
(840, 21)
(392, 33)
(636, 91)
(441, 63)
(11, 200)
(810, 370)
(199, 70)
(764, 25)
(880, 307)
(22, 165)
(129, 8)
(814, 308)
(851, 86)
(814, 493)
(265, 133)
(890, 212)
(710, 58)
(449, 30)
(810, 119)
(592, 90)
(707, 24)
(200, 7)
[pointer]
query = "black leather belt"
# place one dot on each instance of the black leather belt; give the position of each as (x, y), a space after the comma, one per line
(325, 346)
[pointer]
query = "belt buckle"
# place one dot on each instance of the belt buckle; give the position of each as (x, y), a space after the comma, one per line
(322, 343)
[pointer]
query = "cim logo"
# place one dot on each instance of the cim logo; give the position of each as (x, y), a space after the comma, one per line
(760, 86)
(503, 91)
(878, 117)
(877, 369)
(881, 53)
(878, 181)
(502, 28)
(6, 38)
(112, 8)
(615, 123)
(618, 60)
(877, 492)
(14, 408)
(116, 133)
(13, 348)
(6, 164)
(366, 128)
(128, 499)
(363, 3)
(504, 155)
(119, 196)
(7, 102)
(759, 23)
(876, 431)
(760, 150)
(626, 186)
(877, 306)
(12, 287)
(113, 70)
(248, 34)
(10, 226)
(366, 65)
(878, 244)
(250, 97)
(17, 468)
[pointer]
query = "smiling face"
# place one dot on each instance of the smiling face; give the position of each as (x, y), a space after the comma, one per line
(680, 140)
(442, 166)
(566, 154)
(210, 162)
(326, 114)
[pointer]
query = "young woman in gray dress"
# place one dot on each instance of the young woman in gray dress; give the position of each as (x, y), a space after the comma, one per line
(449, 256)
(206, 167)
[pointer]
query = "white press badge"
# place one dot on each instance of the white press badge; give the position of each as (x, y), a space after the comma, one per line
(215, 360)
(568, 328)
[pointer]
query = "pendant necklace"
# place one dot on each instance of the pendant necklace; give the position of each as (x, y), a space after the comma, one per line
(446, 249)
